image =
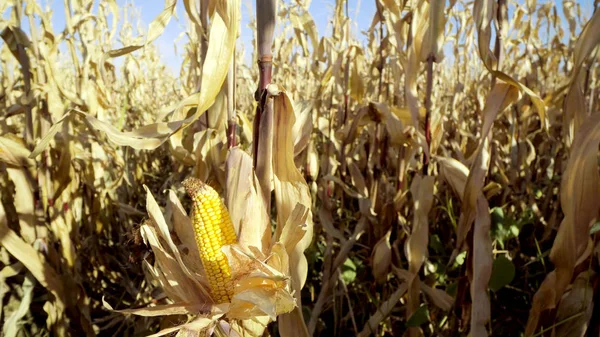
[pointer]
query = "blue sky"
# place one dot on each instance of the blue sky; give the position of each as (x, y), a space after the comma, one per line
(321, 11)
(361, 11)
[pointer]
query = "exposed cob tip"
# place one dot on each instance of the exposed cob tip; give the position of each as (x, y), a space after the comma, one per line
(213, 230)
(193, 186)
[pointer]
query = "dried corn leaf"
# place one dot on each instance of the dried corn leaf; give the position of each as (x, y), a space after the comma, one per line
(483, 13)
(576, 307)
(304, 24)
(588, 40)
(181, 279)
(580, 201)
(290, 189)
(31, 259)
(455, 173)
(14, 323)
(166, 309)
(174, 280)
(416, 245)
(381, 258)
(260, 289)
(182, 225)
(383, 311)
(253, 228)
(223, 33)
(157, 26)
(303, 127)
(433, 40)
(13, 151)
(475, 208)
(498, 99)
(326, 220)
(199, 324)
(412, 66)
(24, 203)
(482, 269)
(438, 296)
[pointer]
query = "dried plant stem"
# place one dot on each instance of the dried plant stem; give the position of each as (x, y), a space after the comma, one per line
(44, 120)
(263, 121)
(325, 285)
(204, 45)
(500, 16)
(350, 309)
(381, 63)
(591, 100)
(346, 90)
(401, 168)
(231, 112)
(265, 68)
(263, 136)
(430, 61)
(25, 69)
(384, 310)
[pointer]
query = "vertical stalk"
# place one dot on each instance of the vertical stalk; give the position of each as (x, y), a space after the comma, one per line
(591, 98)
(263, 122)
(500, 17)
(25, 69)
(401, 168)
(381, 138)
(44, 123)
(71, 44)
(204, 44)
(346, 69)
(342, 158)
(204, 32)
(231, 112)
(381, 61)
(430, 60)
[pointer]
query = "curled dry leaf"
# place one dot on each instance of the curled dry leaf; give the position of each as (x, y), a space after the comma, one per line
(260, 288)
(455, 173)
(381, 258)
(483, 13)
(13, 151)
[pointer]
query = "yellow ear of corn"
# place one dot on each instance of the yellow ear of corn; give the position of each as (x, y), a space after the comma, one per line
(213, 229)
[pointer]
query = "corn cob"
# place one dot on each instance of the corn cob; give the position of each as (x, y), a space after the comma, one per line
(213, 229)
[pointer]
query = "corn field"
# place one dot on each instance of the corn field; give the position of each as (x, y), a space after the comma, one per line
(436, 174)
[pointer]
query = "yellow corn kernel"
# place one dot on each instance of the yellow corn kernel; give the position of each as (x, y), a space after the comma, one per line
(213, 229)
